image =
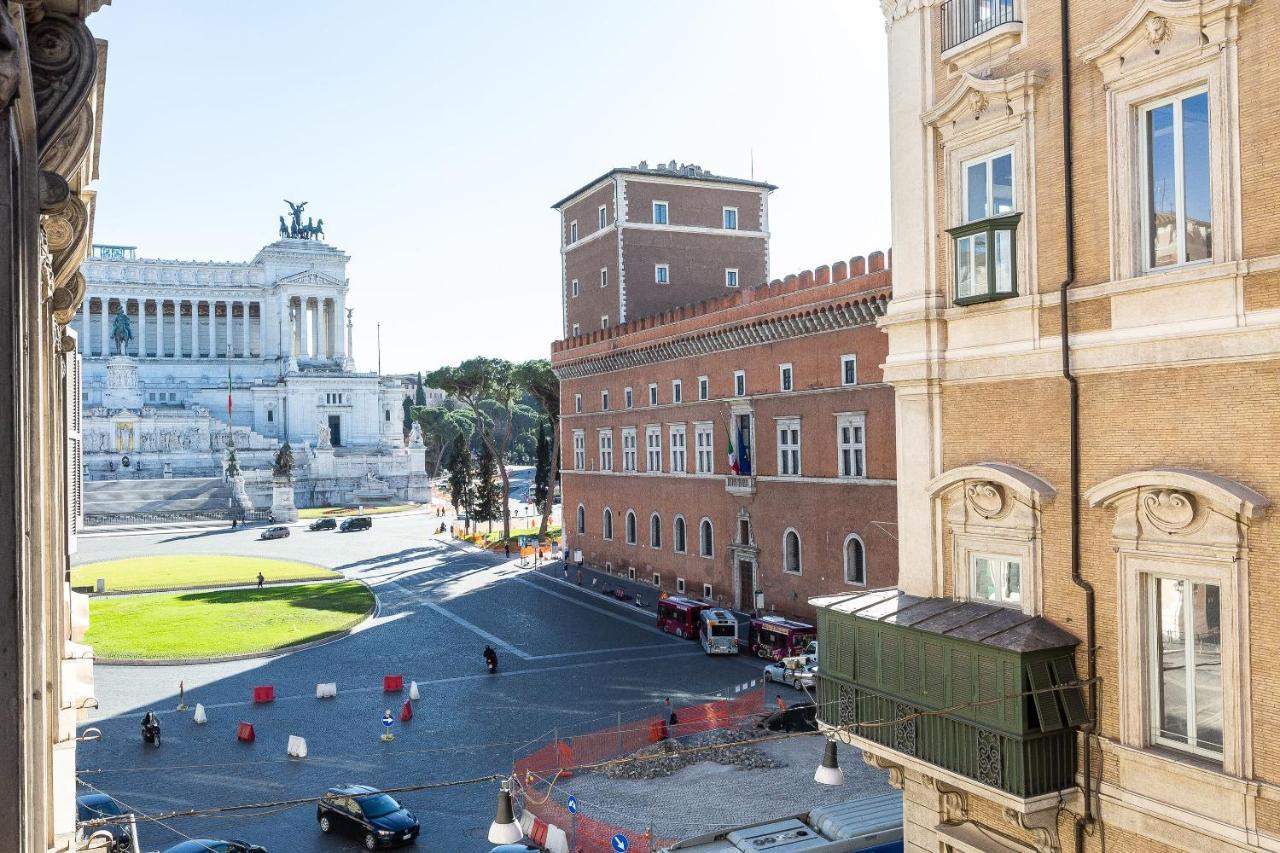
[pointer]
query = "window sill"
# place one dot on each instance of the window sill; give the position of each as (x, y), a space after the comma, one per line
(982, 299)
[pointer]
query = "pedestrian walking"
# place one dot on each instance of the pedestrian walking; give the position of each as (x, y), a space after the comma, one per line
(566, 572)
(260, 580)
(579, 577)
(507, 548)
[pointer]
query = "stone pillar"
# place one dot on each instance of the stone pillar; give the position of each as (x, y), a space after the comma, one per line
(350, 349)
(315, 327)
(160, 328)
(195, 328)
(244, 328)
(142, 327)
(213, 335)
(339, 318)
(177, 328)
(296, 309)
(106, 315)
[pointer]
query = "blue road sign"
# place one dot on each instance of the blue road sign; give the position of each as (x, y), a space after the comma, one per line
(573, 805)
(619, 843)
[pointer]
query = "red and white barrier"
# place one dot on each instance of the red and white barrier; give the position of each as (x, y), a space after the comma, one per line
(327, 690)
(199, 718)
(244, 733)
(392, 683)
(413, 691)
(264, 693)
(297, 747)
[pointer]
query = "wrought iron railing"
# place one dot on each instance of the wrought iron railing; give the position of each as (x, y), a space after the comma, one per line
(966, 19)
(161, 517)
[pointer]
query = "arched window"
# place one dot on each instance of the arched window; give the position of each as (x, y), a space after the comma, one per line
(631, 527)
(706, 538)
(791, 552)
(582, 519)
(678, 545)
(855, 561)
(608, 523)
(655, 531)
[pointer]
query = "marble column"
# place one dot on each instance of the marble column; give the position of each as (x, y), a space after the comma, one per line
(142, 327)
(195, 328)
(350, 349)
(339, 319)
(213, 329)
(177, 328)
(105, 313)
(244, 328)
(315, 327)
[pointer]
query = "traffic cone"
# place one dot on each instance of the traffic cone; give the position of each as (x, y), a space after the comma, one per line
(413, 691)
(200, 718)
(406, 711)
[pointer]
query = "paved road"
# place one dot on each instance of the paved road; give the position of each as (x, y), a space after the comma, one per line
(567, 656)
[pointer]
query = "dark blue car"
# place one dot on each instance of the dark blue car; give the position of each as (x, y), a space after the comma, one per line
(372, 816)
(96, 806)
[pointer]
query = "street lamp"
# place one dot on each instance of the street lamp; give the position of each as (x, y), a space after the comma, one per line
(829, 772)
(504, 829)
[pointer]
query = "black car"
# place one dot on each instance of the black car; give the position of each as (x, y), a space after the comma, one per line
(209, 845)
(800, 717)
(359, 522)
(323, 524)
(97, 806)
(375, 817)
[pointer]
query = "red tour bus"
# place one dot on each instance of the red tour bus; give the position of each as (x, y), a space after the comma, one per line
(679, 615)
(775, 638)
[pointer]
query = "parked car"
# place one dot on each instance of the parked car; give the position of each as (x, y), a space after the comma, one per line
(786, 672)
(277, 532)
(97, 806)
(518, 848)
(800, 717)
(323, 524)
(209, 845)
(377, 818)
(359, 522)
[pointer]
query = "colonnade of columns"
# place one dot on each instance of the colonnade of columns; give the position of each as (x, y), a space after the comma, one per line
(173, 328)
(318, 327)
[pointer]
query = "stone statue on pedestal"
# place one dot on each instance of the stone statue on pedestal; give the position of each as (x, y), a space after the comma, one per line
(283, 466)
(322, 436)
(121, 331)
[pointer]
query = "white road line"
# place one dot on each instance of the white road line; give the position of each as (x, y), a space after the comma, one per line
(497, 641)
(646, 626)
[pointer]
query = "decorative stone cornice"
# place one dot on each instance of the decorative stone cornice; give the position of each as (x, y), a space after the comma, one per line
(976, 100)
(854, 311)
(896, 10)
(1156, 29)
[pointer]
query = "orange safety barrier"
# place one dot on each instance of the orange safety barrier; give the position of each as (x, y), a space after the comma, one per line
(564, 755)
(244, 733)
(392, 683)
(264, 693)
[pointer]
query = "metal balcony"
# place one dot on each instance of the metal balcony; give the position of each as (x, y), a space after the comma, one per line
(963, 20)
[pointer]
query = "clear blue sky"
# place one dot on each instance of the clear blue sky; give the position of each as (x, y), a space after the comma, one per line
(432, 137)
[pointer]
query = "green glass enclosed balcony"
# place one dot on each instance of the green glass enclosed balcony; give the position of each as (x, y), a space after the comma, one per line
(983, 691)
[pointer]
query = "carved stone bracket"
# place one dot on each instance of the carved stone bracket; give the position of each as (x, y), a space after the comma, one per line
(895, 770)
(1042, 825)
(64, 64)
(953, 803)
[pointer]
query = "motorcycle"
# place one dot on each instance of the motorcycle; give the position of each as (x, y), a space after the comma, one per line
(491, 660)
(151, 729)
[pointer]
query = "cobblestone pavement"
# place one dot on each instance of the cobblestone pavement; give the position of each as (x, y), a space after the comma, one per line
(567, 655)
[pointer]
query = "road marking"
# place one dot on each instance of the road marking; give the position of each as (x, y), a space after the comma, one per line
(497, 641)
(647, 626)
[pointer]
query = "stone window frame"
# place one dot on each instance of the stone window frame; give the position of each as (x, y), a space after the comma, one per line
(573, 231)
(707, 553)
(844, 550)
(739, 374)
(604, 277)
(845, 360)
(781, 425)
(992, 509)
(662, 273)
(576, 330)
(677, 391)
(577, 404)
(604, 400)
(630, 455)
(680, 586)
(704, 388)
(799, 569)
(724, 218)
(629, 532)
(653, 393)
(580, 517)
(1194, 524)
(700, 429)
(650, 448)
(604, 321)
(1159, 49)
(666, 212)
(606, 525)
(579, 450)
(852, 420)
(602, 216)
(731, 277)
(628, 398)
(678, 534)
(786, 377)
(982, 116)
(707, 592)
(655, 531)
(678, 450)
(604, 440)
(573, 289)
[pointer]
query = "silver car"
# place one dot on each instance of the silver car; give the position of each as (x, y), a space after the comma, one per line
(799, 677)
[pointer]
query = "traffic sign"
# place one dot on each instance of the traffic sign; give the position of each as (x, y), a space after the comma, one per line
(619, 843)
(573, 805)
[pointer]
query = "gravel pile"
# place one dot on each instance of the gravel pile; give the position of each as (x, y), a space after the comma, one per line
(672, 755)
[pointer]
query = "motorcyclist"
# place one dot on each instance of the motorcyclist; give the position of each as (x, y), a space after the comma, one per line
(491, 658)
(151, 727)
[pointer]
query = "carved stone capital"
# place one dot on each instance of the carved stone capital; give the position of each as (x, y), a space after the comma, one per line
(1042, 825)
(895, 770)
(953, 803)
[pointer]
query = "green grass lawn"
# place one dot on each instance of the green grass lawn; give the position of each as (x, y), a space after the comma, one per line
(184, 570)
(553, 531)
(217, 623)
(339, 511)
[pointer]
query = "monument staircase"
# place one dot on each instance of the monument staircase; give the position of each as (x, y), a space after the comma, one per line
(151, 501)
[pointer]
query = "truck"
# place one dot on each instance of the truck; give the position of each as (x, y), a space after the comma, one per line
(864, 825)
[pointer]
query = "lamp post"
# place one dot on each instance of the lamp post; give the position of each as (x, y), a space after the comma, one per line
(504, 829)
(829, 772)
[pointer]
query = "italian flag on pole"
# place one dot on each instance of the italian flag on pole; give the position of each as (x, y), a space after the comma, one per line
(733, 454)
(228, 387)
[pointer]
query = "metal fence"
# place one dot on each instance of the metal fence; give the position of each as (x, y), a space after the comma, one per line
(966, 19)
(162, 517)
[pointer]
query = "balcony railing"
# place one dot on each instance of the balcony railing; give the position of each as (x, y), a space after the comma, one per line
(966, 19)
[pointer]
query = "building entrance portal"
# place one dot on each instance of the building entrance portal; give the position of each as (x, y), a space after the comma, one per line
(335, 430)
(746, 585)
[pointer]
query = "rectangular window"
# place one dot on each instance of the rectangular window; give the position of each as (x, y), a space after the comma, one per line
(653, 447)
(985, 243)
(703, 441)
(576, 330)
(604, 321)
(731, 219)
(662, 273)
(789, 447)
(739, 383)
(627, 397)
(606, 450)
(1176, 192)
(653, 394)
(678, 449)
(573, 231)
(730, 278)
(996, 579)
(657, 579)
(680, 586)
(704, 388)
(677, 391)
(851, 445)
(604, 401)
(577, 403)
(1185, 642)
(706, 591)
(604, 216)
(579, 450)
(848, 370)
(604, 276)
(629, 449)
(784, 377)
(659, 213)
(271, 415)
(573, 288)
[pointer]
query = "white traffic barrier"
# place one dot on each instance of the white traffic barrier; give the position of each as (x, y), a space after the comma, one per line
(199, 717)
(297, 747)
(413, 691)
(327, 691)
(557, 840)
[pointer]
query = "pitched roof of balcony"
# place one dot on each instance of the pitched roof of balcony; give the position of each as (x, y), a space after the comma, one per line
(978, 622)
